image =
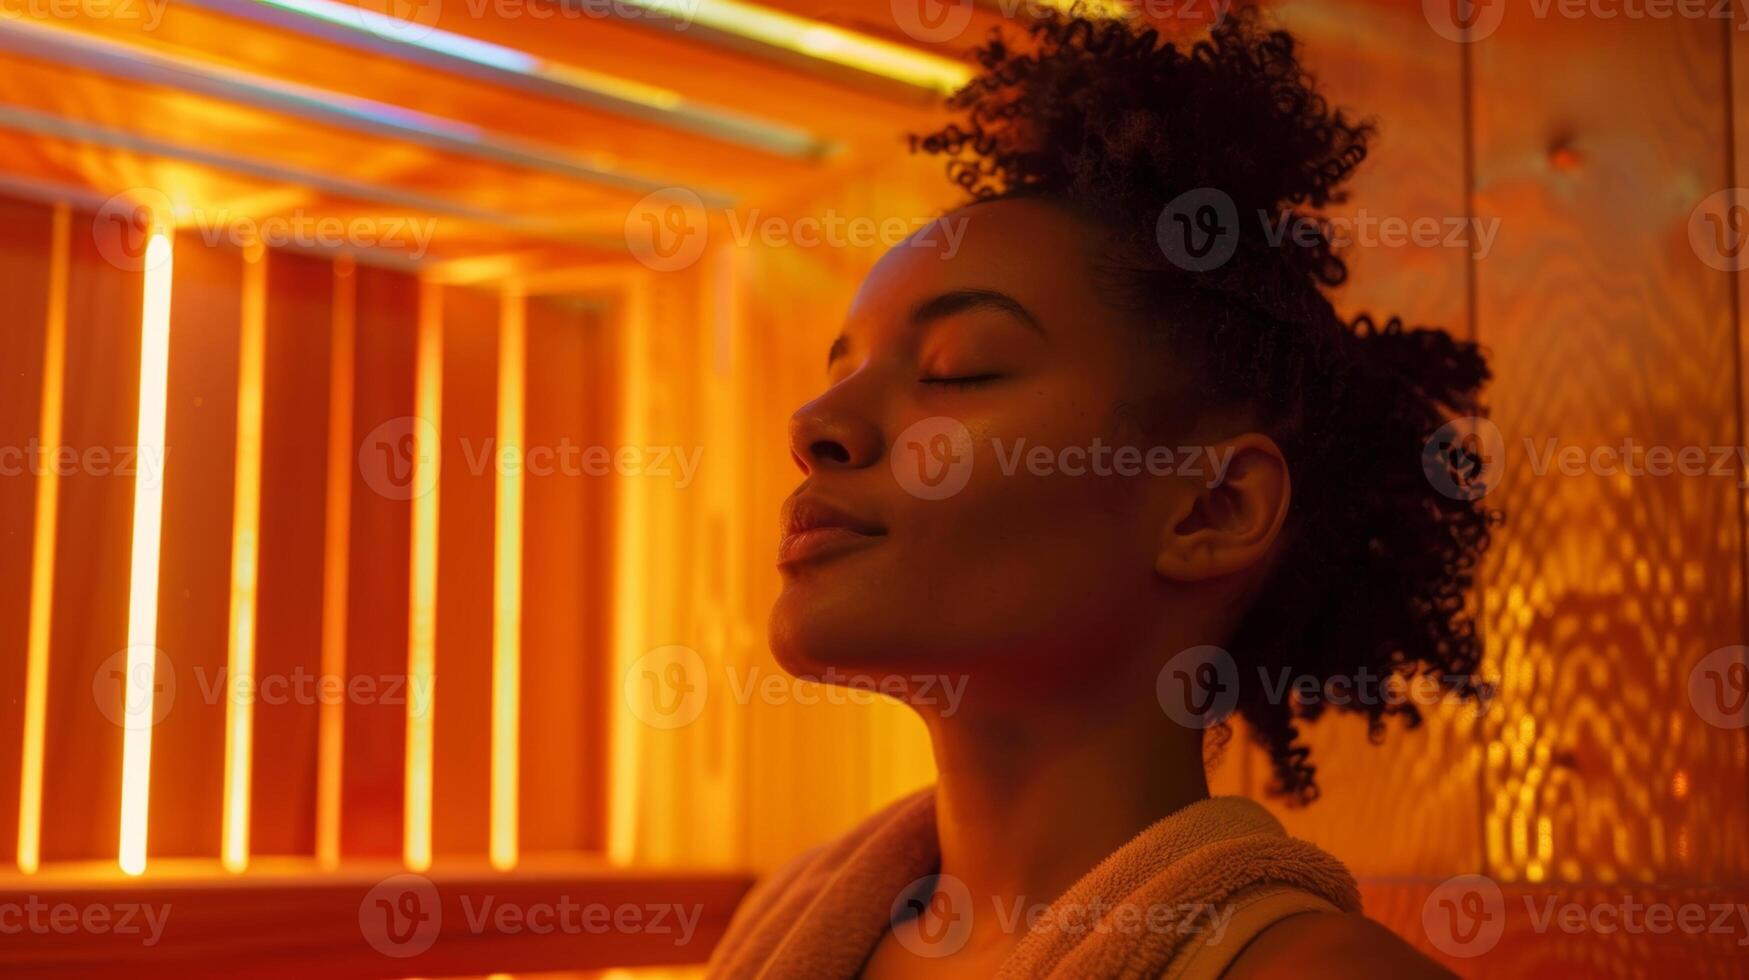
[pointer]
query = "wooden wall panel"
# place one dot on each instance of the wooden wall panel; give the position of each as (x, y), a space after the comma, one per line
(1605, 590)
(1380, 61)
(294, 473)
(1527, 946)
(194, 590)
(26, 235)
(467, 495)
(567, 587)
(373, 796)
(88, 638)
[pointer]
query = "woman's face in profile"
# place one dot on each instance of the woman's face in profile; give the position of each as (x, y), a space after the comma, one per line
(955, 510)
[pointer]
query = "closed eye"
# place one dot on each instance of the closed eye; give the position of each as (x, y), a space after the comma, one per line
(961, 381)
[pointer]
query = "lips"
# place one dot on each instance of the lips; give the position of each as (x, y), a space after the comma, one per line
(814, 529)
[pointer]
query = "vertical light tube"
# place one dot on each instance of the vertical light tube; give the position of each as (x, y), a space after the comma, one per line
(245, 562)
(42, 562)
(136, 755)
(507, 581)
(336, 555)
(422, 618)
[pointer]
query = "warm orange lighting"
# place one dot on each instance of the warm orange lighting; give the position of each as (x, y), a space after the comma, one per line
(336, 548)
(136, 755)
(629, 605)
(245, 563)
(42, 564)
(507, 581)
(422, 618)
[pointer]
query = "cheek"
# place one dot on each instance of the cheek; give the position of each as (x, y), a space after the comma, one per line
(1028, 554)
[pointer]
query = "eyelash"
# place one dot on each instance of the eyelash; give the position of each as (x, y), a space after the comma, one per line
(962, 383)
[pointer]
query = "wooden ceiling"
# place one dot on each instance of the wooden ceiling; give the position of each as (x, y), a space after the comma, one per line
(530, 148)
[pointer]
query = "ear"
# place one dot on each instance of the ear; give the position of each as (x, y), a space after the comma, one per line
(1226, 521)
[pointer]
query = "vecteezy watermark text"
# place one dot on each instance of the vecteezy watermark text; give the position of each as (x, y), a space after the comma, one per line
(669, 687)
(36, 916)
(668, 230)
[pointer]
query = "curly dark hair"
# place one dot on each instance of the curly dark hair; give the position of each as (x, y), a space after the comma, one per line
(1119, 124)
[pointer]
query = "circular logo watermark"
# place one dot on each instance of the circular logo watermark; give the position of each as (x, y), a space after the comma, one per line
(1465, 458)
(406, 21)
(932, 21)
(932, 917)
(1718, 688)
(1464, 20)
(401, 915)
(666, 231)
(1718, 229)
(1198, 687)
(932, 459)
(1465, 915)
(112, 683)
(122, 228)
(390, 458)
(1199, 229)
(667, 687)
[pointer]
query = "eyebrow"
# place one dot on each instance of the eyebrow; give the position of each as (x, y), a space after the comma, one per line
(948, 304)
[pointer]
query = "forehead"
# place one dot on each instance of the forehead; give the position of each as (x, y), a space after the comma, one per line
(1036, 252)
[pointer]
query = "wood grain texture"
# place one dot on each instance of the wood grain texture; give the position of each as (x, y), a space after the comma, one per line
(294, 470)
(194, 573)
(88, 637)
(296, 925)
(567, 591)
(26, 234)
(1566, 930)
(463, 744)
(1605, 589)
(373, 794)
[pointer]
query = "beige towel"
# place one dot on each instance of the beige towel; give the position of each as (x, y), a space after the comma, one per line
(1180, 900)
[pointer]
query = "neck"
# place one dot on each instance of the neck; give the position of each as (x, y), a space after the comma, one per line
(1031, 796)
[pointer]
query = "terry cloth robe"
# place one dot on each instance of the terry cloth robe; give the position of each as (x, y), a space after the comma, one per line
(1180, 900)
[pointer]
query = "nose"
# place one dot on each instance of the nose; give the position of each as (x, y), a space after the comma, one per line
(826, 436)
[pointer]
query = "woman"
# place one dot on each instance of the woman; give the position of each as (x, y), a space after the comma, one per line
(1106, 464)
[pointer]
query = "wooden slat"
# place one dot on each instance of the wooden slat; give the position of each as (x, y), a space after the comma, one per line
(375, 736)
(567, 593)
(294, 471)
(88, 638)
(194, 597)
(25, 254)
(1537, 936)
(633, 145)
(295, 925)
(467, 498)
(1603, 592)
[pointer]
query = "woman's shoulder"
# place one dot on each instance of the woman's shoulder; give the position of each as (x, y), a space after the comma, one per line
(1331, 946)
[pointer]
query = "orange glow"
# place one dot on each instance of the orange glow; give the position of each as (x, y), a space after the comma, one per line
(331, 717)
(245, 562)
(136, 757)
(626, 753)
(507, 582)
(422, 618)
(42, 568)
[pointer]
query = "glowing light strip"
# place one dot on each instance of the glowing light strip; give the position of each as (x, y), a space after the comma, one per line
(626, 752)
(817, 40)
(336, 553)
(422, 618)
(507, 583)
(245, 563)
(409, 32)
(136, 754)
(359, 27)
(42, 565)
